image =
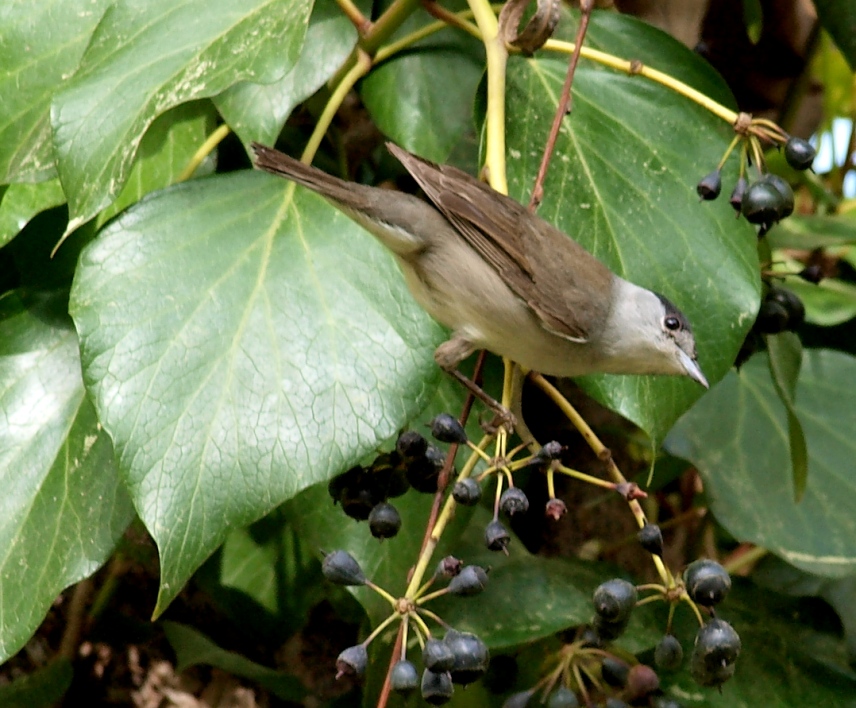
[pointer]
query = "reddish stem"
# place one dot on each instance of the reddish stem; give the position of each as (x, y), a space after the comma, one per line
(563, 108)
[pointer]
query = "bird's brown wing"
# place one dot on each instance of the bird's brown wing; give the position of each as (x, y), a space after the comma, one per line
(530, 255)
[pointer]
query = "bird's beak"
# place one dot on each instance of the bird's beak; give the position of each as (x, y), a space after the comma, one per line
(692, 368)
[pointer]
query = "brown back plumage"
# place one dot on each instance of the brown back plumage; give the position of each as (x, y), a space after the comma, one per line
(523, 248)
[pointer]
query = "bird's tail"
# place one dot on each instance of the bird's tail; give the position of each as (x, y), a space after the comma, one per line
(394, 220)
(278, 163)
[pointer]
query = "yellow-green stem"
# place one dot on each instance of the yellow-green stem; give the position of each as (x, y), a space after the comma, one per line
(700, 619)
(603, 453)
(632, 67)
(589, 479)
(354, 14)
(497, 57)
(354, 74)
(390, 50)
(433, 616)
(648, 600)
(204, 151)
(383, 593)
(382, 626)
(388, 23)
(430, 596)
(405, 625)
(422, 628)
(736, 139)
(439, 527)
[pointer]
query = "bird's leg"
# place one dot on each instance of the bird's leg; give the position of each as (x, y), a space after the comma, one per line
(451, 353)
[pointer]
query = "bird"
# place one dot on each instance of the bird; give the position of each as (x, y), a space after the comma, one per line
(502, 278)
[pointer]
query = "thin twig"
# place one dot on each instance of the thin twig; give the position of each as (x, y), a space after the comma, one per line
(563, 108)
(74, 619)
(396, 653)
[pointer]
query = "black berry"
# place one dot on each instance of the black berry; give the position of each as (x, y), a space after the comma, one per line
(467, 492)
(563, 697)
(514, 501)
(437, 656)
(736, 198)
(384, 520)
(772, 318)
(549, 452)
(437, 688)
(614, 600)
(447, 429)
(761, 203)
(404, 677)
(669, 654)
(799, 153)
(707, 582)
(710, 186)
(470, 581)
(791, 303)
(614, 672)
(496, 536)
(471, 656)
(715, 653)
(651, 539)
(424, 472)
(411, 445)
(352, 661)
(786, 208)
(341, 568)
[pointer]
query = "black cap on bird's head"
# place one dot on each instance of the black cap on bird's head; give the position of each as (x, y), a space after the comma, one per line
(677, 327)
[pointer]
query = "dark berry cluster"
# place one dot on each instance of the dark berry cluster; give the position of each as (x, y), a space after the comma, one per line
(781, 310)
(364, 492)
(767, 200)
(458, 658)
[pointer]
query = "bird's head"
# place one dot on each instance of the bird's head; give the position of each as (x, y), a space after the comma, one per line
(647, 334)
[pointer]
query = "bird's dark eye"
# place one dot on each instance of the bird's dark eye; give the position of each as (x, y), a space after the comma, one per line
(672, 323)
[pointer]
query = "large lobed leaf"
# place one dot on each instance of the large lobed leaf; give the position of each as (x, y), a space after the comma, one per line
(143, 59)
(63, 507)
(242, 340)
(258, 111)
(737, 436)
(622, 183)
(40, 47)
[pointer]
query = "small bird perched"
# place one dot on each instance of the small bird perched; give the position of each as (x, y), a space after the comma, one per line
(503, 279)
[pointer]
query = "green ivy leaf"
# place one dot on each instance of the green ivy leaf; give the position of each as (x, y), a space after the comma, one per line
(422, 99)
(40, 47)
(63, 506)
(21, 202)
(738, 438)
(165, 151)
(143, 60)
(259, 111)
(785, 357)
(622, 183)
(242, 340)
(192, 648)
